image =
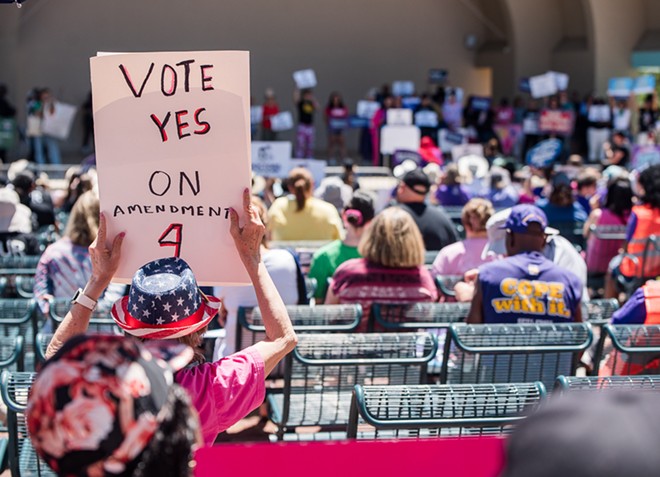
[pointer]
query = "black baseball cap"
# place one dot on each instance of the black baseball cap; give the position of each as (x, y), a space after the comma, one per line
(417, 181)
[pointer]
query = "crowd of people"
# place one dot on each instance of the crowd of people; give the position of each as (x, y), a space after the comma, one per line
(529, 243)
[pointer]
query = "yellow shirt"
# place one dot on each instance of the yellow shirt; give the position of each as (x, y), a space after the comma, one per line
(319, 220)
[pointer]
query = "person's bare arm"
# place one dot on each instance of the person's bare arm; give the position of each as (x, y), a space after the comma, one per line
(578, 314)
(104, 265)
(280, 336)
(476, 314)
(591, 220)
(330, 297)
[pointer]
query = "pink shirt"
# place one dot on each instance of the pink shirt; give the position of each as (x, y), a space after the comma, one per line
(459, 257)
(225, 391)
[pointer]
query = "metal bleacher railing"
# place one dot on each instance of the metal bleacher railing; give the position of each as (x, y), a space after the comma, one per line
(516, 353)
(22, 458)
(323, 369)
(607, 383)
(628, 350)
(440, 410)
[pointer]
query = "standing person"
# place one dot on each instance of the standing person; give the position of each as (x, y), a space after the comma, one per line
(459, 257)
(88, 125)
(35, 113)
(307, 106)
(223, 391)
(52, 144)
(299, 215)
(452, 112)
(599, 128)
(392, 270)
(336, 117)
(525, 287)
(436, 227)
(648, 117)
(357, 215)
(377, 122)
(7, 112)
(270, 109)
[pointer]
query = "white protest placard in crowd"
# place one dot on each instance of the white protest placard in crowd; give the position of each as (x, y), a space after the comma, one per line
(399, 117)
(426, 119)
(543, 85)
(399, 137)
(403, 88)
(561, 79)
(305, 79)
(172, 134)
(462, 150)
(271, 158)
(367, 109)
(599, 113)
(315, 166)
(57, 123)
(281, 121)
(256, 114)
(620, 87)
(447, 139)
(644, 84)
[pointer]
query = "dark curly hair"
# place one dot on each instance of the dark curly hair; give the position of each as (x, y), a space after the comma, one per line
(649, 179)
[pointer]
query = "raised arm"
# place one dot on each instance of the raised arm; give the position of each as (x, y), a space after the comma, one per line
(104, 265)
(280, 337)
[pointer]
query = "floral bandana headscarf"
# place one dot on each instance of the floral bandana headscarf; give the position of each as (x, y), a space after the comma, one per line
(97, 401)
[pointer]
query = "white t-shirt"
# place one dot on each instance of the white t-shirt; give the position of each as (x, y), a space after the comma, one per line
(282, 268)
(563, 254)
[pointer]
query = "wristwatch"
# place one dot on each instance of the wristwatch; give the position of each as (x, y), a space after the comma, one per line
(83, 300)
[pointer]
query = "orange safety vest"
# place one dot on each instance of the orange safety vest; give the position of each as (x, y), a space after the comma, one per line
(652, 302)
(647, 263)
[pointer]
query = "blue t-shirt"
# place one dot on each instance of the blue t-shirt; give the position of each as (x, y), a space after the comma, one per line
(558, 216)
(528, 288)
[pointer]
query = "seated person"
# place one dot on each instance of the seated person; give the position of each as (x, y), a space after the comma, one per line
(642, 308)
(119, 395)
(459, 257)
(66, 265)
(226, 390)
(561, 208)
(451, 191)
(525, 287)
(357, 215)
(392, 270)
(16, 237)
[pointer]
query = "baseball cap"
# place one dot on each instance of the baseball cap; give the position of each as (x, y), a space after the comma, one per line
(496, 230)
(603, 434)
(523, 215)
(417, 181)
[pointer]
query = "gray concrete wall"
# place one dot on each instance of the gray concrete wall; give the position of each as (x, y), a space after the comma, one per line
(352, 44)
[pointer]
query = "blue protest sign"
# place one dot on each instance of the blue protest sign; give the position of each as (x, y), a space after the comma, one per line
(426, 119)
(620, 87)
(523, 85)
(358, 122)
(410, 102)
(338, 123)
(644, 85)
(545, 153)
(437, 75)
(401, 155)
(480, 103)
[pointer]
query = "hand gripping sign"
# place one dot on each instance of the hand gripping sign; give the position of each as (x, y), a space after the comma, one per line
(172, 135)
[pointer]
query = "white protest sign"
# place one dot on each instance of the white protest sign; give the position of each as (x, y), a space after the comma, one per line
(281, 121)
(399, 117)
(403, 88)
(599, 113)
(271, 158)
(463, 150)
(315, 166)
(399, 137)
(543, 85)
(172, 134)
(367, 109)
(426, 119)
(447, 139)
(256, 114)
(57, 123)
(561, 80)
(305, 79)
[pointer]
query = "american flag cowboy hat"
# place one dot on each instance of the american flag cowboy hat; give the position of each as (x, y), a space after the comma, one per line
(165, 302)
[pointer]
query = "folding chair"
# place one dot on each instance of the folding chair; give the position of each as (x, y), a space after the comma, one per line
(635, 350)
(515, 353)
(43, 340)
(446, 283)
(322, 370)
(22, 458)
(412, 316)
(440, 410)
(607, 383)
(24, 286)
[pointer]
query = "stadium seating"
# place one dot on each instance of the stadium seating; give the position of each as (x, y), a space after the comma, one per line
(635, 349)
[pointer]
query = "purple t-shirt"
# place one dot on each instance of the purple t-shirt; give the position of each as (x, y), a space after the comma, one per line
(225, 391)
(452, 195)
(528, 288)
(634, 310)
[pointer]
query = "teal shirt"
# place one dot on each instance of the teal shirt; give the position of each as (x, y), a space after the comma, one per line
(325, 262)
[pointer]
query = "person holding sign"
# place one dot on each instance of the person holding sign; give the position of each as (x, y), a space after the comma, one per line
(307, 106)
(336, 117)
(165, 303)
(270, 109)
